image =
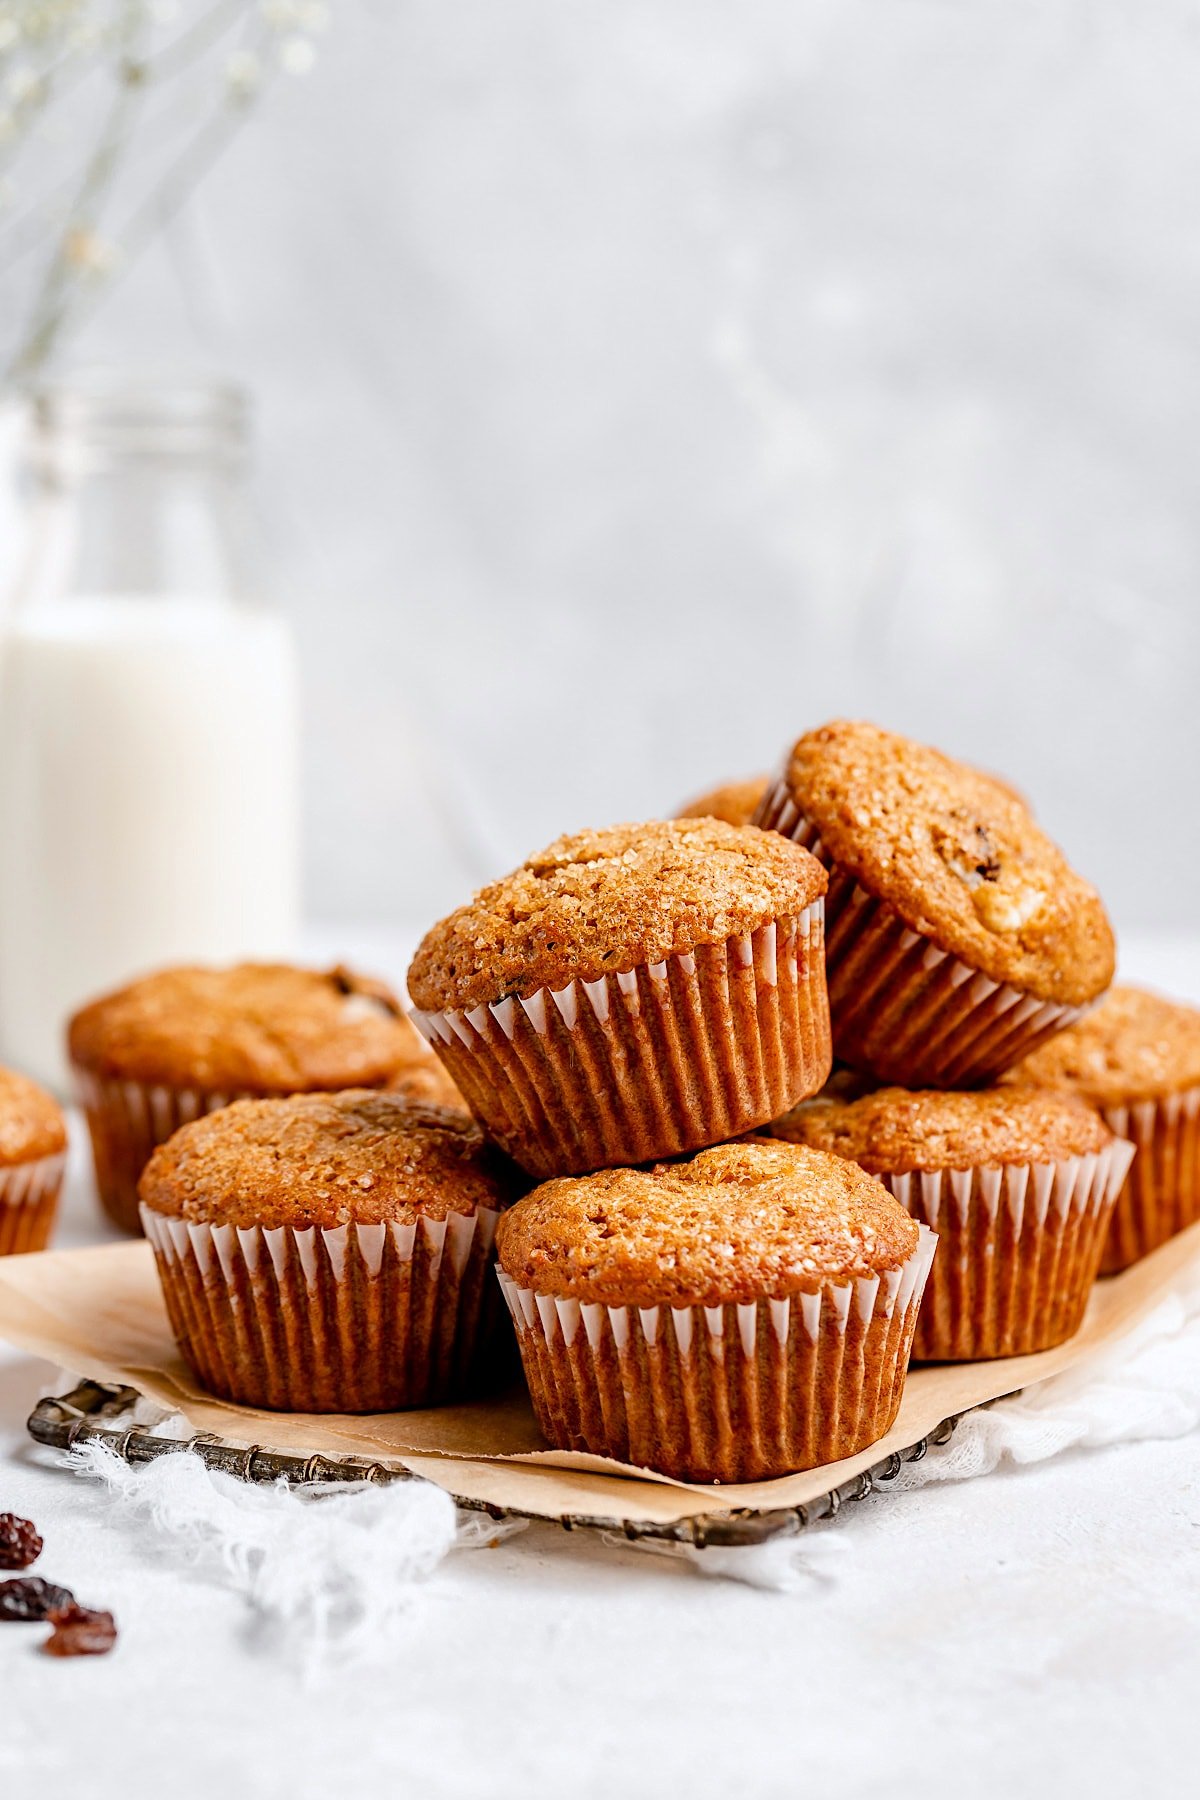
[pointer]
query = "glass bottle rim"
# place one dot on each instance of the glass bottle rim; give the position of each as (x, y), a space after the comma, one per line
(101, 415)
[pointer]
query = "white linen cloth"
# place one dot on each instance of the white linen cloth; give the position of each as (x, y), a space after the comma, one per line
(339, 1565)
(322, 1568)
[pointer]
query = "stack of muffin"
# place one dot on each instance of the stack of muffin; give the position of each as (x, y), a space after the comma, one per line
(728, 1256)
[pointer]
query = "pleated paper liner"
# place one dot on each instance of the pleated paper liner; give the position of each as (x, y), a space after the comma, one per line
(723, 1393)
(127, 1121)
(1161, 1195)
(901, 1006)
(101, 1311)
(352, 1318)
(651, 1062)
(28, 1203)
(1018, 1250)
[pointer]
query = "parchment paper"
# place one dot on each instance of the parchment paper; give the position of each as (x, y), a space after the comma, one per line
(100, 1312)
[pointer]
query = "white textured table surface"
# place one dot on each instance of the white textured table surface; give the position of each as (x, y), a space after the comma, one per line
(1034, 1629)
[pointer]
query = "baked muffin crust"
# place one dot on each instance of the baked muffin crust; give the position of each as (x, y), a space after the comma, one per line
(895, 1131)
(735, 802)
(427, 1081)
(1134, 1045)
(738, 1223)
(326, 1159)
(31, 1125)
(957, 856)
(267, 1027)
(603, 902)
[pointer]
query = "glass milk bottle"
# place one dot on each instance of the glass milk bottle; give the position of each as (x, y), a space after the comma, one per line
(149, 736)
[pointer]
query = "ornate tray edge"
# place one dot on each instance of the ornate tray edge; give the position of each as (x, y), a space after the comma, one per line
(63, 1421)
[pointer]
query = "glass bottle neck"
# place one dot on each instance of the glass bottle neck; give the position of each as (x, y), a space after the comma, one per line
(138, 490)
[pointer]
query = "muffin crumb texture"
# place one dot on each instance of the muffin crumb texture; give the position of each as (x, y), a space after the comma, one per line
(31, 1124)
(957, 855)
(425, 1079)
(738, 1223)
(895, 1131)
(327, 1160)
(604, 902)
(1133, 1046)
(736, 802)
(262, 1027)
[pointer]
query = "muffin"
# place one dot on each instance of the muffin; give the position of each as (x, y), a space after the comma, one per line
(632, 993)
(735, 803)
(1019, 1185)
(424, 1078)
(330, 1252)
(736, 1316)
(958, 938)
(1137, 1058)
(175, 1045)
(33, 1154)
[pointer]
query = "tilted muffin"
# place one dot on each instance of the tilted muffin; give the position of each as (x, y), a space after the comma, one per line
(185, 1041)
(1137, 1058)
(1019, 1185)
(33, 1147)
(731, 1317)
(735, 802)
(329, 1252)
(958, 938)
(632, 993)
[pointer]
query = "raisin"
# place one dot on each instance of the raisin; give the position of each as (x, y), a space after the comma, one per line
(29, 1599)
(78, 1631)
(987, 864)
(20, 1544)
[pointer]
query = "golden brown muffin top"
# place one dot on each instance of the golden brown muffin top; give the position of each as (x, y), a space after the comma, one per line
(957, 856)
(743, 1222)
(427, 1080)
(603, 902)
(31, 1125)
(1132, 1046)
(326, 1159)
(736, 802)
(893, 1130)
(266, 1027)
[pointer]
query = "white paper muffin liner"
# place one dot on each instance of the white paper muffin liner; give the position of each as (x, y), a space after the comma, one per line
(350, 1318)
(1020, 1246)
(28, 1202)
(651, 1062)
(1161, 1195)
(127, 1121)
(901, 1006)
(723, 1393)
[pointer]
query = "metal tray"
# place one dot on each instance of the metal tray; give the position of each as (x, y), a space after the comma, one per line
(91, 1413)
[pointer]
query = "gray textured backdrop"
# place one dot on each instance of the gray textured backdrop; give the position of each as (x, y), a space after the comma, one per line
(643, 380)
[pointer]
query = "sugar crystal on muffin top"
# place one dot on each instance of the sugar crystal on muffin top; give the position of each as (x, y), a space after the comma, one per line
(738, 1223)
(957, 855)
(895, 1130)
(604, 902)
(327, 1159)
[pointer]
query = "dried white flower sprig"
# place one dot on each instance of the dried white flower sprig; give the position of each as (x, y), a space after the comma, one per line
(111, 111)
